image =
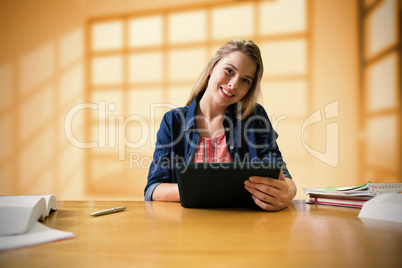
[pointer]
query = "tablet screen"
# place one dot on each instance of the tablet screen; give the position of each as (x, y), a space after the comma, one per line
(220, 184)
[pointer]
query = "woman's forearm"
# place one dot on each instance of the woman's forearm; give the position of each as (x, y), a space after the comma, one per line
(166, 192)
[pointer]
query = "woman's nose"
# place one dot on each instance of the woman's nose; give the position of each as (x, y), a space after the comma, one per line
(233, 83)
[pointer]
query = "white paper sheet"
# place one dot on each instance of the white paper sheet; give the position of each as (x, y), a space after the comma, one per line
(38, 234)
(387, 206)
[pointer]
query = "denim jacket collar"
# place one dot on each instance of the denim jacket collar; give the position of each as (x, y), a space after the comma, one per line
(190, 117)
(190, 121)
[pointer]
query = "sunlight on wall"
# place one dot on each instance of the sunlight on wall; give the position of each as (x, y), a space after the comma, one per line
(108, 35)
(276, 93)
(129, 68)
(226, 25)
(382, 93)
(36, 67)
(383, 17)
(145, 67)
(6, 125)
(35, 157)
(6, 84)
(133, 70)
(6, 146)
(140, 28)
(381, 149)
(381, 87)
(273, 20)
(179, 58)
(181, 31)
(285, 57)
(107, 70)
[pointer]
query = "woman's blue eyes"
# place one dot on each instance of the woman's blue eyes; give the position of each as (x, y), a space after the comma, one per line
(230, 71)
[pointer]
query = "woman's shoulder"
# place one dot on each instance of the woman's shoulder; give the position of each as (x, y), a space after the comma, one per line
(177, 113)
(258, 118)
(258, 111)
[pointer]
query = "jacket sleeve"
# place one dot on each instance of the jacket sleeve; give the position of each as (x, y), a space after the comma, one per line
(160, 169)
(269, 149)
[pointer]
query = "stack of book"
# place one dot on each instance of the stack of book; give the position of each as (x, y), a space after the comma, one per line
(350, 196)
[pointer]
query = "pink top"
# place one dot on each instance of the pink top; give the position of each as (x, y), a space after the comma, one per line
(212, 150)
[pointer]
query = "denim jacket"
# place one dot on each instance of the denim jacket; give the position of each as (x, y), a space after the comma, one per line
(249, 140)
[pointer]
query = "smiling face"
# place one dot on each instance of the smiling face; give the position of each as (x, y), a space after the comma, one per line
(231, 78)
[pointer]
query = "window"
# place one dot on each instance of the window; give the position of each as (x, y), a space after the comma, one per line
(380, 88)
(146, 64)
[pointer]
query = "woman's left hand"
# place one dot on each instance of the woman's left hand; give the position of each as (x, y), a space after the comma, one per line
(271, 194)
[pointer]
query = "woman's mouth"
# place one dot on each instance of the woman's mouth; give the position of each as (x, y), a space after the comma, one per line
(226, 93)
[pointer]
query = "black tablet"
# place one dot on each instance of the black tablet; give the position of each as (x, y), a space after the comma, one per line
(208, 185)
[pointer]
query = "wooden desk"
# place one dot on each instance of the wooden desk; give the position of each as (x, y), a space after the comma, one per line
(157, 234)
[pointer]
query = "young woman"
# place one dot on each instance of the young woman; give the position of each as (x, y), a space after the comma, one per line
(222, 122)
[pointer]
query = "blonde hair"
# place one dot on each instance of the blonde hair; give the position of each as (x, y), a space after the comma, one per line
(249, 48)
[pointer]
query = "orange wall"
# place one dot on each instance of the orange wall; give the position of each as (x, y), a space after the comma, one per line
(335, 78)
(42, 76)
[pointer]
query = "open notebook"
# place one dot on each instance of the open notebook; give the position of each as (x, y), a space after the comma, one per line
(20, 226)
